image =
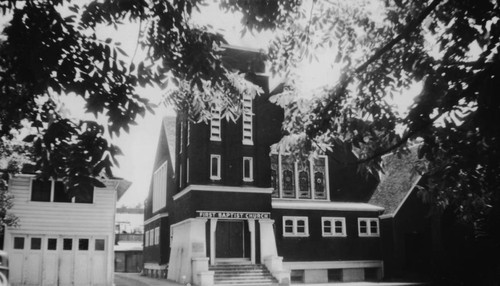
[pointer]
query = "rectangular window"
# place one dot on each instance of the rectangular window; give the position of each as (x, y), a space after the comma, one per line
(333, 226)
(83, 244)
(68, 244)
(368, 227)
(151, 237)
(60, 193)
(36, 243)
(215, 167)
(146, 238)
(157, 235)
(247, 169)
(180, 175)
(85, 195)
(187, 170)
(40, 190)
(99, 245)
(160, 187)
(295, 226)
(188, 132)
(181, 141)
(215, 125)
(52, 244)
(247, 119)
(299, 179)
(18, 242)
(55, 191)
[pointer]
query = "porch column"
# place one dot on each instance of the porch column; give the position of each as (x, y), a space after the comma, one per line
(213, 227)
(251, 228)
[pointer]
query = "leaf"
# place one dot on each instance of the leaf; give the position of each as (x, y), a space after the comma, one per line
(29, 138)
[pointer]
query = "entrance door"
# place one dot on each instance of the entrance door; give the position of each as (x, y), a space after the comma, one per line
(232, 239)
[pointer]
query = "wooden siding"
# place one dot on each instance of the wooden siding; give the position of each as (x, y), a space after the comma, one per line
(55, 218)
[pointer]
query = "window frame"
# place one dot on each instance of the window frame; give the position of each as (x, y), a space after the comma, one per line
(295, 232)
(146, 238)
(157, 236)
(333, 233)
(219, 160)
(53, 197)
(368, 221)
(214, 124)
(312, 189)
(247, 117)
(250, 171)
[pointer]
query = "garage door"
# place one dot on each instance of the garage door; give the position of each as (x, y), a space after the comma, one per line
(58, 260)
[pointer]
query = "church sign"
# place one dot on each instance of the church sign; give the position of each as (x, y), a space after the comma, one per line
(234, 215)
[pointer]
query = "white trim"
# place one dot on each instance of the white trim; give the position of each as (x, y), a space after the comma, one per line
(332, 232)
(333, 264)
(158, 216)
(187, 220)
(323, 205)
(386, 216)
(294, 232)
(187, 170)
(368, 221)
(209, 188)
(250, 172)
(219, 160)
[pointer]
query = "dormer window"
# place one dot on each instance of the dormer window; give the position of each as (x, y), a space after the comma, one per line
(215, 167)
(247, 119)
(215, 125)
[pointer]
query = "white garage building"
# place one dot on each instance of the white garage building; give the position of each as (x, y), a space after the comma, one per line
(61, 240)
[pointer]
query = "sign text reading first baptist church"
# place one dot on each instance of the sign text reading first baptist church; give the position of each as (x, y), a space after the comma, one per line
(234, 215)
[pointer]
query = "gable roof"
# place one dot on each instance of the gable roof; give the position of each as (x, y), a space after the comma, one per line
(168, 125)
(397, 181)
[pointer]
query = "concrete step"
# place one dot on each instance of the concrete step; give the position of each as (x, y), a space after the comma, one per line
(242, 274)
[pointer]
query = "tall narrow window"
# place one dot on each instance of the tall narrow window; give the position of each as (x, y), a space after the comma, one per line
(215, 167)
(247, 118)
(304, 177)
(187, 171)
(180, 176)
(274, 176)
(247, 169)
(160, 187)
(288, 176)
(157, 235)
(215, 125)
(320, 190)
(151, 237)
(181, 139)
(188, 132)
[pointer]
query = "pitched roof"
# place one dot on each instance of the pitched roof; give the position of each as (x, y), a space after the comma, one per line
(397, 181)
(168, 124)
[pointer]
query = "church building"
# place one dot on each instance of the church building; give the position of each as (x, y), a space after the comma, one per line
(225, 203)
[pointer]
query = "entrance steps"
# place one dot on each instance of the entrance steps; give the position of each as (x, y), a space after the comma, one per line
(242, 274)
